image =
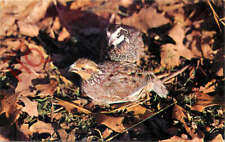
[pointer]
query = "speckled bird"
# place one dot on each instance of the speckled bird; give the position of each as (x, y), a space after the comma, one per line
(115, 82)
(124, 43)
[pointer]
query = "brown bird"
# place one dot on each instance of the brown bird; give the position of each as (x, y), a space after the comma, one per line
(115, 82)
(125, 43)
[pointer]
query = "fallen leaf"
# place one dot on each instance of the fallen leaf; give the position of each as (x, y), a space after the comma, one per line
(114, 123)
(30, 65)
(218, 138)
(24, 128)
(209, 87)
(190, 42)
(199, 43)
(169, 57)
(107, 132)
(145, 19)
(42, 127)
(180, 139)
(25, 13)
(126, 3)
(30, 106)
(47, 89)
(64, 34)
(8, 105)
(80, 3)
(56, 116)
(170, 53)
(7, 51)
(10, 133)
(202, 101)
(219, 62)
(180, 114)
(139, 112)
(28, 29)
(64, 136)
(69, 106)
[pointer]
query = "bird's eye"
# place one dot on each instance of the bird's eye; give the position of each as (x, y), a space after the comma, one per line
(111, 46)
(82, 68)
(118, 35)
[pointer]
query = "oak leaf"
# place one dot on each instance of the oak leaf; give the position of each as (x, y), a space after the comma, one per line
(41, 127)
(30, 106)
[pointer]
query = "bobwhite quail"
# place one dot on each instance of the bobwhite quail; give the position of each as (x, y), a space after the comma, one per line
(115, 82)
(125, 43)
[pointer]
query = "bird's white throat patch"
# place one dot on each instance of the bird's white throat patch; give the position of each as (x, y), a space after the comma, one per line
(114, 39)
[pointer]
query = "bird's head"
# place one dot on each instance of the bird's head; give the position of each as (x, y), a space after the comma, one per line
(85, 68)
(117, 34)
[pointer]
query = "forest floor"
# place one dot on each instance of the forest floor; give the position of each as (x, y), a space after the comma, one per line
(41, 100)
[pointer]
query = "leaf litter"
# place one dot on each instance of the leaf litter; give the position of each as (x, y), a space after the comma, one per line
(40, 39)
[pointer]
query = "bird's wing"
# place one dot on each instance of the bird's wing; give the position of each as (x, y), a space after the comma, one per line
(124, 81)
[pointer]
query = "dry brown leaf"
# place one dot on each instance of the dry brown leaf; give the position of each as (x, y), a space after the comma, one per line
(114, 123)
(80, 3)
(63, 35)
(80, 101)
(30, 65)
(66, 136)
(209, 87)
(12, 43)
(30, 106)
(170, 54)
(107, 132)
(42, 127)
(6, 22)
(203, 101)
(180, 139)
(126, 3)
(56, 24)
(47, 89)
(10, 133)
(145, 19)
(66, 81)
(218, 138)
(28, 29)
(71, 106)
(190, 43)
(199, 43)
(137, 109)
(56, 116)
(25, 12)
(219, 62)
(8, 105)
(7, 51)
(180, 114)
(24, 128)
(139, 112)
(220, 72)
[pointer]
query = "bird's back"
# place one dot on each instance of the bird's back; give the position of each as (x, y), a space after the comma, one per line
(115, 82)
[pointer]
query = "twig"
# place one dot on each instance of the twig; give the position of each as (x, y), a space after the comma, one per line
(215, 16)
(109, 139)
(175, 73)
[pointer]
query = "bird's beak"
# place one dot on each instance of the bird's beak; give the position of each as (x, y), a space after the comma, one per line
(110, 42)
(109, 39)
(73, 68)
